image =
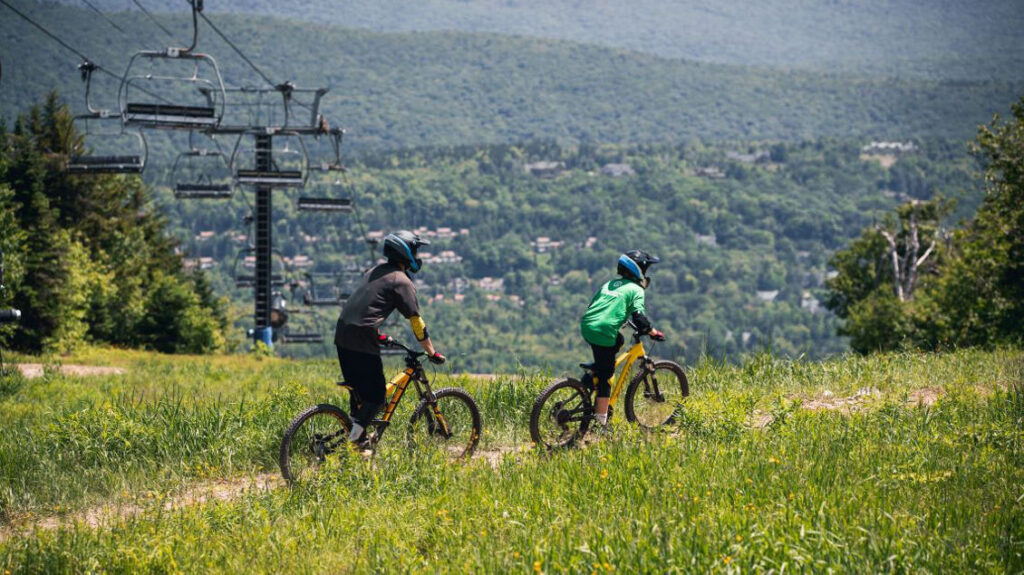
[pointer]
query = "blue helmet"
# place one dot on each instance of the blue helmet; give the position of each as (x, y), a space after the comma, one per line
(401, 247)
(633, 265)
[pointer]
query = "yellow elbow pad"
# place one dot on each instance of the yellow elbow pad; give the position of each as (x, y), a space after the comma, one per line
(419, 329)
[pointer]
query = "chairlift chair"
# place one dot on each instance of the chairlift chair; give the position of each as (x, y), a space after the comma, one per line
(112, 144)
(151, 72)
(289, 333)
(318, 296)
(337, 205)
(213, 181)
(244, 279)
(276, 176)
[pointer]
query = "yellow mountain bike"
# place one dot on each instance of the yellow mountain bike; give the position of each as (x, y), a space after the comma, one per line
(447, 420)
(563, 412)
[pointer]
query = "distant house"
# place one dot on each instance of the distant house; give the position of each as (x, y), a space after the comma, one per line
(889, 148)
(767, 295)
(301, 261)
(711, 173)
(810, 303)
(709, 239)
(544, 244)
(617, 170)
(491, 284)
(545, 169)
(756, 157)
(205, 235)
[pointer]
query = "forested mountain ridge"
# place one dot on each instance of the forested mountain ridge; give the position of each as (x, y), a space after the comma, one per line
(424, 89)
(906, 38)
(523, 235)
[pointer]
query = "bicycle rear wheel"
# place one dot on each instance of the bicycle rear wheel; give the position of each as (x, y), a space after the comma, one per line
(312, 437)
(561, 415)
(450, 424)
(655, 395)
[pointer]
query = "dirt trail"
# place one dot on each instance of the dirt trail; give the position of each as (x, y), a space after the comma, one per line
(209, 491)
(34, 370)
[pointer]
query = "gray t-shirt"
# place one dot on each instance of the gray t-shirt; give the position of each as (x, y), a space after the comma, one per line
(385, 288)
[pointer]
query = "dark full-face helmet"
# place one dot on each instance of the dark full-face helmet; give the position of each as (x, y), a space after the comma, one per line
(633, 265)
(401, 247)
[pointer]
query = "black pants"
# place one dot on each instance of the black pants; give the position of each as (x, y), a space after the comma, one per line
(365, 373)
(604, 365)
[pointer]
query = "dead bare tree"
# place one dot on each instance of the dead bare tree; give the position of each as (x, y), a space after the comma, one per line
(905, 245)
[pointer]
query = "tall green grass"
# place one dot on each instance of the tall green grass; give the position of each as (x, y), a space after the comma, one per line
(886, 488)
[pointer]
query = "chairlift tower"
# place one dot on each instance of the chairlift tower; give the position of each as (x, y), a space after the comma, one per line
(201, 108)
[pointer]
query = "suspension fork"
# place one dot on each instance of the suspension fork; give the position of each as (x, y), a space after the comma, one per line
(427, 394)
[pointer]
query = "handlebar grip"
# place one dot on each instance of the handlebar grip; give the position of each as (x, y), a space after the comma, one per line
(10, 315)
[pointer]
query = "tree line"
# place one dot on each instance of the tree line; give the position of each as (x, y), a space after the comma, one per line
(88, 259)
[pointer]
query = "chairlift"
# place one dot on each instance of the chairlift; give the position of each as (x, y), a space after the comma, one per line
(280, 315)
(286, 157)
(322, 295)
(214, 175)
(245, 276)
(107, 153)
(192, 79)
(337, 205)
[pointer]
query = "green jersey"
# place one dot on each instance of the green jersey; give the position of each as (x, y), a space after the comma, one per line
(610, 307)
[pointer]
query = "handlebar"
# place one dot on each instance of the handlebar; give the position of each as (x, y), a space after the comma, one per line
(10, 315)
(392, 342)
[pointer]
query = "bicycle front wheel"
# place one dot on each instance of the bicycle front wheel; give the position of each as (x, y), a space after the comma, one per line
(561, 415)
(449, 424)
(655, 395)
(311, 438)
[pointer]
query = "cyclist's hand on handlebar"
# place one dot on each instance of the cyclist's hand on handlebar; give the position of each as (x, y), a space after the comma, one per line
(437, 358)
(656, 335)
(384, 339)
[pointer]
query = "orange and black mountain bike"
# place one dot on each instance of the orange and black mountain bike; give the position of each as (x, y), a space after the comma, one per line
(446, 420)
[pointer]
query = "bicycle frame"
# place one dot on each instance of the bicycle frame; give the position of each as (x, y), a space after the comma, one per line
(625, 361)
(413, 372)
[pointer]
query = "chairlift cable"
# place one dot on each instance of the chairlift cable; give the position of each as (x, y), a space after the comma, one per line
(71, 49)
(359, 219)
(104, 16)
(152, 18)
(235, 48)
(248, 61)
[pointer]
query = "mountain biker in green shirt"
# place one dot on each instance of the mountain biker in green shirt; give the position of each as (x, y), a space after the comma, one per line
(615, 302)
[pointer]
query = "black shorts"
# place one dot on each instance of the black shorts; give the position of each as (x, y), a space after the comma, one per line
(365, 373)
(604, 365)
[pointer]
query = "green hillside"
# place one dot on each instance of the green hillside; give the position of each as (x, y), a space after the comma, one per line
(420, 89)
(733, 233)
(917, 38)
(896, 462)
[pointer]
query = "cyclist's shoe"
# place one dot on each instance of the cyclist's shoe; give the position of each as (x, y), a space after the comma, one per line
(363, 447)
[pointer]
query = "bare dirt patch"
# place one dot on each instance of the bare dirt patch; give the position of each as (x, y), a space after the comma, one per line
(217, 490)
(34, 370)
(113, 513)
(859, 401)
